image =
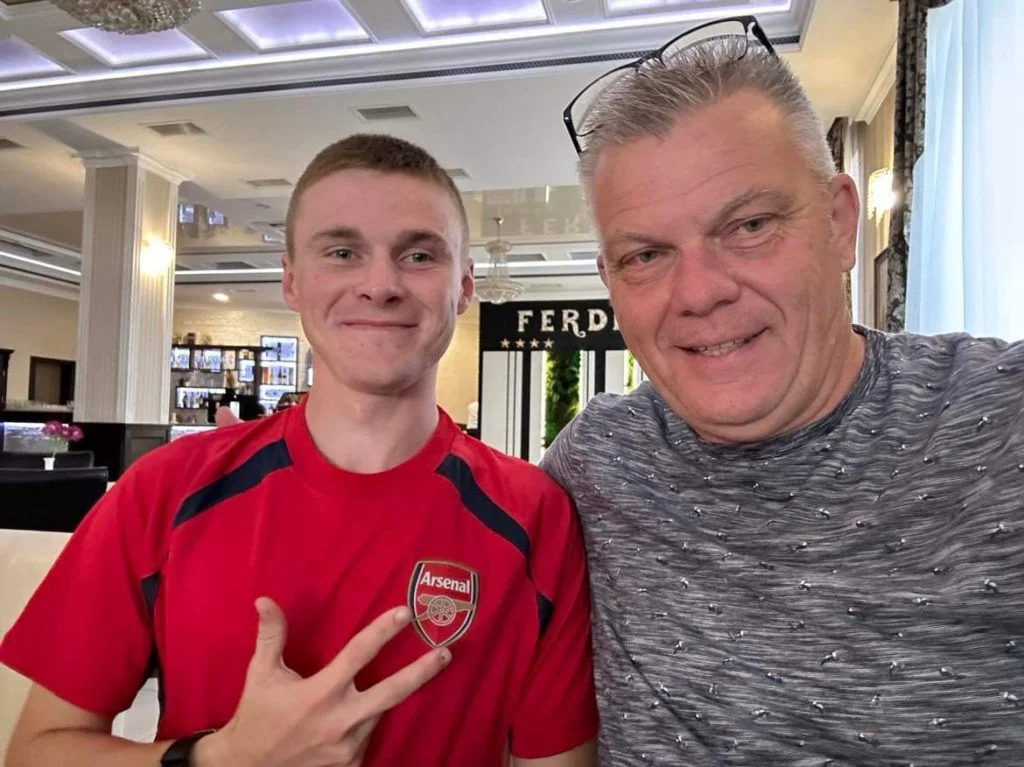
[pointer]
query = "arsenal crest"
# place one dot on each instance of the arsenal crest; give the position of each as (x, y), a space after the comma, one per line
(443, 598)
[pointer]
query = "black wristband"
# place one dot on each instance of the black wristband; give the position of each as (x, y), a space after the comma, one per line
(179, 753)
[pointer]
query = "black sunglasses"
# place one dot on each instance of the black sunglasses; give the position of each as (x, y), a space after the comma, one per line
(574, 115)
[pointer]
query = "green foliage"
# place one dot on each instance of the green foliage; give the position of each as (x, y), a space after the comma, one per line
(562, 392)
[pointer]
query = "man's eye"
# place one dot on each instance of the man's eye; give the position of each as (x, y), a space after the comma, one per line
(642, 258)
(421, 257)
(341, 254)
(752, 232)
(754, 225)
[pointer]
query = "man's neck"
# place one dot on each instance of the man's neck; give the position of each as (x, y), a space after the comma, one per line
(365, 433)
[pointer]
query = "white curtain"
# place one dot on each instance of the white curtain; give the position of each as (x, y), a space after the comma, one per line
(966, 267)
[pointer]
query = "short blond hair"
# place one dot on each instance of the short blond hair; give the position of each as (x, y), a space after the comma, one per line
(376, 152)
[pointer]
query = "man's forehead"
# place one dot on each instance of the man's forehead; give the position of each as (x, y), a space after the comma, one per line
(638, 197)
(674, 177)
(376, 202)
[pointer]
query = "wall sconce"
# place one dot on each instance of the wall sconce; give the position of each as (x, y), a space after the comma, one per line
(881, 195)
(156, 257)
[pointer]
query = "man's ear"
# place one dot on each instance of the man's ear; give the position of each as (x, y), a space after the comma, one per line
(288, 283)
(845, 219)
(467, 286)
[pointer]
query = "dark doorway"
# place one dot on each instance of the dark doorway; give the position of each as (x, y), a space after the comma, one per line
(51, 381)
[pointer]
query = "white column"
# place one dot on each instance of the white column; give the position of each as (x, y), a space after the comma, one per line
(500, 417)
(615, 372)
(126, 306)
(538, 403)
(587, 378)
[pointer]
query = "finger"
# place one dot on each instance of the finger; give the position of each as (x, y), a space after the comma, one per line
(225, 416)
(389, 692)
(363, 647)
(271, 635)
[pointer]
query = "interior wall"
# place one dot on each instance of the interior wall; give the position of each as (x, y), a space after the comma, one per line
(35, 325)
(458, 373)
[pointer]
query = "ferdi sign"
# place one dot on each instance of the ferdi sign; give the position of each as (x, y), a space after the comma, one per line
(549, 326)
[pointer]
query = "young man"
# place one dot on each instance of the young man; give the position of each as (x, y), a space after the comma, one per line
(806, 540)
(361, 498)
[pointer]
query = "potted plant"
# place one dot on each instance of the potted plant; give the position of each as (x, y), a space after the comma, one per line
(60, 435)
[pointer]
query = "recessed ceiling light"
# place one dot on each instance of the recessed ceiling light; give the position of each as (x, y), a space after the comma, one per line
(19, 59)
(222, 297)
(117, 50)
(449, 15)
(294, 24)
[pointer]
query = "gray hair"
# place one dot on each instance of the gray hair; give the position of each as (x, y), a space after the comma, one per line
(651, 101)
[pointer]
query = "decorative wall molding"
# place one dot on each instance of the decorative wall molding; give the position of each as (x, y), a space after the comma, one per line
(884, 82)
(131, 158)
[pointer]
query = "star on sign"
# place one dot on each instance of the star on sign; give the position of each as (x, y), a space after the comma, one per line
(520, 344)
(549, 344)
(505, 343)
(534, 343)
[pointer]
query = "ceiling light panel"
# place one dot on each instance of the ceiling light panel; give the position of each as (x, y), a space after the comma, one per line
(706, 9)
(19, 60)
(434, 16)
(295, 25)
(134, 50)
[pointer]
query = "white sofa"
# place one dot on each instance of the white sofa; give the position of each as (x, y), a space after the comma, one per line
(25, 557)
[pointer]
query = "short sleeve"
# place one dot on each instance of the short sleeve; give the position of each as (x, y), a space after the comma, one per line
(556, 459)
(558, 710)
(85, 634)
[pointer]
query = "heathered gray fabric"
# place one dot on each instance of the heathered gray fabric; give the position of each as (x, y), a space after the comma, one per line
(850, 594)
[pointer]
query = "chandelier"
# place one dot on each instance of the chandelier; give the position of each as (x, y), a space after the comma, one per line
(131, 17)
(498, 287)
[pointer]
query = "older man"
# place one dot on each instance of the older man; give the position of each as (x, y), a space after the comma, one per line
(806, 539)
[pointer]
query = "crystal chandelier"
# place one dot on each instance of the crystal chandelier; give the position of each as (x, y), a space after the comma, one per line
(498, 287)
(131, 17)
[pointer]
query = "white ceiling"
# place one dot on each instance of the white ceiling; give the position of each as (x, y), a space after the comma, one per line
(503, 128)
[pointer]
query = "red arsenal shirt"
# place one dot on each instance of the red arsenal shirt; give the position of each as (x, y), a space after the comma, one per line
(162, 575)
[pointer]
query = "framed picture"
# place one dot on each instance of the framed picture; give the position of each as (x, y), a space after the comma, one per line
(227, 360)
(881, 288)
(181, 358)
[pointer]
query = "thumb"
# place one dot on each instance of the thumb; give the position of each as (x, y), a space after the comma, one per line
(271, 635)
(224, 416)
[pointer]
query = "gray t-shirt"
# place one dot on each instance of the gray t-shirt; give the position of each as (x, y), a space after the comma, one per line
(848, 594)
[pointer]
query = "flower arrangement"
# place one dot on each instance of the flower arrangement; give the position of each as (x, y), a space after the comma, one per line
(61, 434)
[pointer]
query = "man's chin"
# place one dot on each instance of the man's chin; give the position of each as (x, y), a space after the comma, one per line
(731, 406)
(383, 385)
